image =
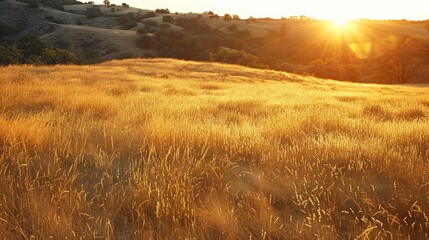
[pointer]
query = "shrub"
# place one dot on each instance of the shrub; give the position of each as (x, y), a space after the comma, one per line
(31, 45)
(10, 55)
(251, 20)
(58, 56)
(125, 5)
(6, 30)
(149, 55)
(145, 42)
(129, 25)
(93, 12)
(168, 19)
(151, 23)
(227, 17)
(236, 57)
(91, 54)
(126, 55)
(214, 16)
(162, 11)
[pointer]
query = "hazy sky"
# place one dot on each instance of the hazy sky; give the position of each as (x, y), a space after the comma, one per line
(321, 9)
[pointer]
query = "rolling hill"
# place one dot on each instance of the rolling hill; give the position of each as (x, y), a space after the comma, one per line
(280, 44)
(169, 149)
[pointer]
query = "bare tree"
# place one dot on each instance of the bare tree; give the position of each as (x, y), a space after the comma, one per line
(401, 64)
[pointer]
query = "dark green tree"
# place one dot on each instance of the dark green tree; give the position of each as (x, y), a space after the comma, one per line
(31, 45)
(10, 55)
(227, 17)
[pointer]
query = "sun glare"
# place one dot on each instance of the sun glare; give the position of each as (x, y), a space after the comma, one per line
(340, 22)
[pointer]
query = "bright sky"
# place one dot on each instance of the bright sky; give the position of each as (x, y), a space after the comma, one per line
(320, 9)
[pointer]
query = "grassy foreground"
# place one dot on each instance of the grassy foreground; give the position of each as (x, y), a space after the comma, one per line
(166, 149)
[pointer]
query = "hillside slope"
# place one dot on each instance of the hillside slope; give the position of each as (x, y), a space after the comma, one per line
(168, 149)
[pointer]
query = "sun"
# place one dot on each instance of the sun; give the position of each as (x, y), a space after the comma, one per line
(340, 22)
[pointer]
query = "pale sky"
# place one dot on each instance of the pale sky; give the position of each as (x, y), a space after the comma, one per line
(320, 9)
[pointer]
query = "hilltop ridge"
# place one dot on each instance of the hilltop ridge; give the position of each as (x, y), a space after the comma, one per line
(363, 51)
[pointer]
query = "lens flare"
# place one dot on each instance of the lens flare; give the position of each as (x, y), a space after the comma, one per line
(340, 22)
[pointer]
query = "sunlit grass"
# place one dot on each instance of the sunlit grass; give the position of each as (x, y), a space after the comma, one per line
(165, 149)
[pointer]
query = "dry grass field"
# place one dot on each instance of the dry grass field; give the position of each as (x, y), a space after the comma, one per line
(167, 149)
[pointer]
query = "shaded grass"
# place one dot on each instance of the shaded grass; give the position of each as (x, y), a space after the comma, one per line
(120, 151)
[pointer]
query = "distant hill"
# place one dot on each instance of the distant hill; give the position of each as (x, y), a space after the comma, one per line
(97, 33)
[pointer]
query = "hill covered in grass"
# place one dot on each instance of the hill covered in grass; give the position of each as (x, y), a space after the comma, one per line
(168, 149)
(375, 51)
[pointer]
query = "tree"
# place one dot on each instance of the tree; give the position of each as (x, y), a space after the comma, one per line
(58, 56)
(10, 55)
(93, 12)
(251, 19)
(106, 3)
(145, 42)
(401, 64)
(125, 5)
(227, 17)
(31, 45)
(162, 11)
(214, 16)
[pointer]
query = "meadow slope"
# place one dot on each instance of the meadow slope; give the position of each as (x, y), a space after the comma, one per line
(168, 149)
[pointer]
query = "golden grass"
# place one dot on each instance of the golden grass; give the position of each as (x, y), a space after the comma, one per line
(166, 149)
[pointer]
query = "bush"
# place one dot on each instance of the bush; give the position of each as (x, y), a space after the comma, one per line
(126, 55)
(168, 19)
(149, 55)
(6, 30)
(31, 45)
(145, 42)
(58, 56)
(125, 5)
(162, 11)
(237, 57)
(10, 55)
(151, 23)
(91, 54)
(227, 17)
(93, 12)
(214, 16)
(129, 25)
